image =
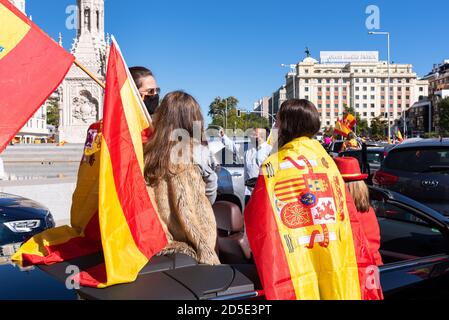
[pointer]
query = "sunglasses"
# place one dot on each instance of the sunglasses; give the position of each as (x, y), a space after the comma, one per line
(151, 92)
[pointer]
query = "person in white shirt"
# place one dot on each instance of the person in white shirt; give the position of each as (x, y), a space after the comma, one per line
(257, 153)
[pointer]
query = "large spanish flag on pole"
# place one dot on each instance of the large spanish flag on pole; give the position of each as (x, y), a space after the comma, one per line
(32, 66)
(306, 242)
(111, 211)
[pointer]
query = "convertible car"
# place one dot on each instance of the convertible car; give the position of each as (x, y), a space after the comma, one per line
(414, 248)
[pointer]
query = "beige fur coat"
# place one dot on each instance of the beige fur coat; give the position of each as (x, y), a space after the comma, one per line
(186, 215)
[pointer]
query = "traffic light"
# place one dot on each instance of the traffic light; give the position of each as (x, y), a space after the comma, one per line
(239, 113)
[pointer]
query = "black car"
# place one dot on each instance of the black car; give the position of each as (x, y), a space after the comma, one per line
(371, 164)
(414, 248)
(20, 219)
(418, 169)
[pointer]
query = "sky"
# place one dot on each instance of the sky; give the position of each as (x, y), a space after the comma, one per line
(212, 48)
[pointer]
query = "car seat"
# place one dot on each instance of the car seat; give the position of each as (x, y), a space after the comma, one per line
(230, 232)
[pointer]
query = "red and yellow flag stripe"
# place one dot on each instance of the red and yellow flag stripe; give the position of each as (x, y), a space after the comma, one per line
(32, 66)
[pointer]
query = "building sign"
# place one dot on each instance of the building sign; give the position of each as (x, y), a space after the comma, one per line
(348, 56)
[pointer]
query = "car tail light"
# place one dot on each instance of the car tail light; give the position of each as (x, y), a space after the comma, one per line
(384, 179)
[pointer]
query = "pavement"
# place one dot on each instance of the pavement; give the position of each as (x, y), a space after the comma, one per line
(44, 173)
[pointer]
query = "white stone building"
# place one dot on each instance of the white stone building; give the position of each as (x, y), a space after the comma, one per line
(81, 98)
(356, 79)
(262, 107)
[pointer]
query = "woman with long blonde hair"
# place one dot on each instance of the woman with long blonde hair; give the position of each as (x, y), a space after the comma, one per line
(180, 178)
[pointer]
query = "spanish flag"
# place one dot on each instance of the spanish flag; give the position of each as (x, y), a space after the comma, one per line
(399, 136)
(350, 121)
(32, 66)
(303, 229)
(341, 128)
(111, 211)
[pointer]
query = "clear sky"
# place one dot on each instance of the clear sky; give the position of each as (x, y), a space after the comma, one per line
(215, 48)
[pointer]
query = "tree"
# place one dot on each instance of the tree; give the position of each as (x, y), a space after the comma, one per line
(378, 128)
(53, 112)
(217, 110)
(443, 111)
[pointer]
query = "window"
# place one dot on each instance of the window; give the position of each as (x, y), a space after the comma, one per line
(357, 80)
(373, 114)
(328, 89)
(365, 80)
(328, 114)
(373, 97)
(417, 159)
(306, 89)
(421, 89)
(399, 114)
(319, 106)
(357, 97)
(371, 70)
(328, 81)
(365, 97)
(306, 70)
(344, 97)
(365, 88)
(306, 80)
(372, 106)
(373, 88)
(336, 106)
(357, 88)
(357, 105)
(407, 97)
(404, 235)
(365, 106)
(320, 89)
(364, 114)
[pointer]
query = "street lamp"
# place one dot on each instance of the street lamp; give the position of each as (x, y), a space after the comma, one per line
(293, 70)
(389, 78)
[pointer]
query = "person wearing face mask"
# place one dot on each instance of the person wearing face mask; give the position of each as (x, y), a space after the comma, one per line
(147, 86)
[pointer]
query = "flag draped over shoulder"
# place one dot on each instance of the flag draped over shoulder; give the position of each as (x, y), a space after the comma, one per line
(32, 66)
(306, 242)
(111, 210)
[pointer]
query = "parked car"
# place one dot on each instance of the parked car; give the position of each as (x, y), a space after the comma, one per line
(20, 219)
(418, 169)
(372, 163)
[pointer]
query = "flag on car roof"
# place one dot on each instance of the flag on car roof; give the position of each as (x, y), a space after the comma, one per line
(342, 129)
(32, 65)
(112, 212)
(304, 232)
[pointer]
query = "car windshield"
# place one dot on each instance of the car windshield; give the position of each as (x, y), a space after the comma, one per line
(233, 158)
(419, 160)
(374, 157)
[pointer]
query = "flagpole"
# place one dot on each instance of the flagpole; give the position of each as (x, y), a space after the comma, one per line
(90, 74)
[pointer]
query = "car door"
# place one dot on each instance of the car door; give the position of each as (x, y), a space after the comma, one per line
(422, 174)
(414, 248)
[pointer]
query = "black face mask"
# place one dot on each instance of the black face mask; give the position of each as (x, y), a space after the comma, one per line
(151, 102)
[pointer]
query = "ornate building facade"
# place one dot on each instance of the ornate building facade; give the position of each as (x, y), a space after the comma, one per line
(81, 98)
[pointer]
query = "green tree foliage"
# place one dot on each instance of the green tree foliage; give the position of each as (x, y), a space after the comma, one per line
(53, 112)
(245, 121)
(378, 128)
(443, 110)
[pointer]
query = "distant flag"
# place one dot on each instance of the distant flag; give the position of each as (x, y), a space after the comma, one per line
(341, 128)
(32, 65)
(111, 212)
(399, 136)
(349, 121)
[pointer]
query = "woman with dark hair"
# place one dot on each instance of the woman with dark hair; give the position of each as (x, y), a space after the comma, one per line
(306, 240)
(147, 86)
(180, 179)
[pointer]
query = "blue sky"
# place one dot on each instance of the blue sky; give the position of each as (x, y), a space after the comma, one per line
(215, 48)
